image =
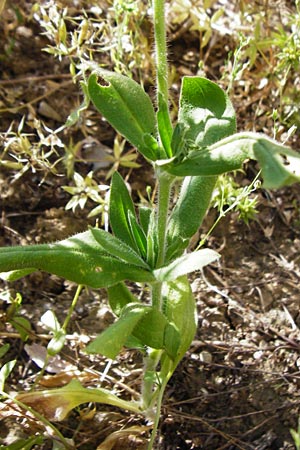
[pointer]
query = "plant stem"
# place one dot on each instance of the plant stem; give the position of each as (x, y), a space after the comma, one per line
(161, 49)
(157, 413)
(149, 396)
(72, 307)
(164, 189)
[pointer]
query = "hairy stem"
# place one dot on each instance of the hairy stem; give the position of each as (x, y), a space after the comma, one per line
(163, 203)
(164, 189)
(161, 48)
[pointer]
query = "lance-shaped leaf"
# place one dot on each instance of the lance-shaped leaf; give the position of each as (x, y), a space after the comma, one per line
(126, 106)
(188, 213)
(80, 259)
(164, 125)
(115, 247)
(180, 309)
(120, 205)
(186, 264)
(145, 324)
(55, 404)
(205, 111)
(279, 164)
(110, 342)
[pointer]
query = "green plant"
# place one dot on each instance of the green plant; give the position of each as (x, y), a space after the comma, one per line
(12, 316)
(148, 246)
(229, 196)
(296, 436)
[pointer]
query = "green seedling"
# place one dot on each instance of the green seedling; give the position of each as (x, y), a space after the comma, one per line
(148, 245)
(296, 436)
(12, 315)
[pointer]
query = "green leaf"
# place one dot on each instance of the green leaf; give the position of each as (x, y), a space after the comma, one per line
(80, 259)
(152, 243)
(205, 111)
(172, 340)
(280, 165)
(178, 139)
(180, 310)
(138, 234)
(22, 325)
(13, 275)
(117, 248)
(188, 213)
(186, 264)
(119, 296)
(5, 372)
(55, 404)
(24, 444)
(126, 107)
(120, 204)
(227, 155)
(164, 126)
(4, 349)
(144, 216)
(110, 342)
(138, 323)
(154, 331)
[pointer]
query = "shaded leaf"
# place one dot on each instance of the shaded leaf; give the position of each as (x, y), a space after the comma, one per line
(153, 330)
(119, 296)
(55, 404)
(110, 342)
(23, 326)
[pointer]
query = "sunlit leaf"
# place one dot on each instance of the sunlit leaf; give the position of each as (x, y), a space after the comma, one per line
(118, 248)
(80, 259)
(279, 164)
(205, 111)
(186, 264)
(126, 107)
(188, 213)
